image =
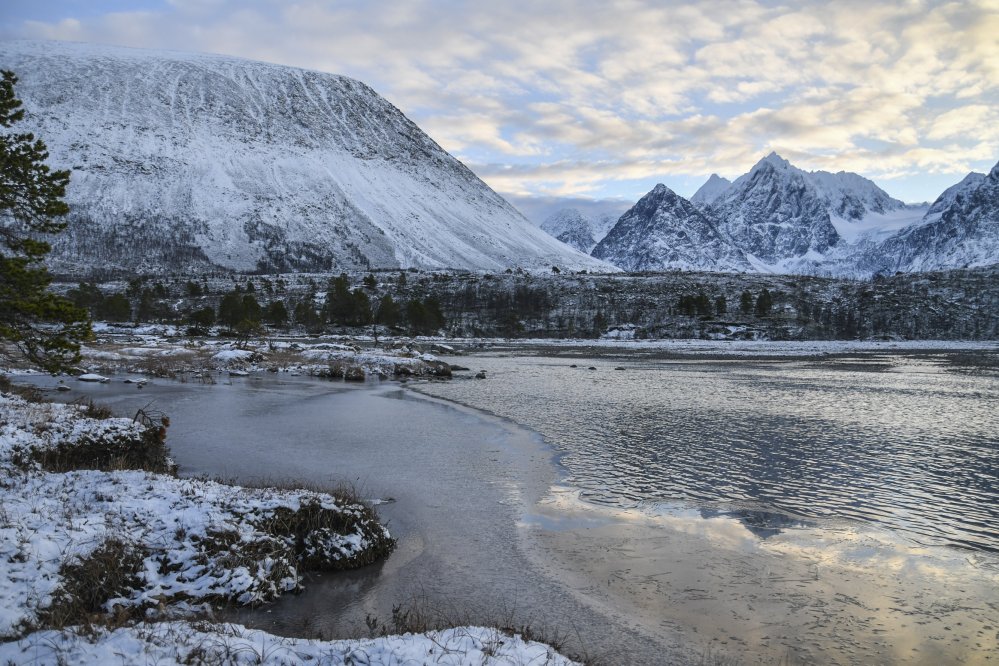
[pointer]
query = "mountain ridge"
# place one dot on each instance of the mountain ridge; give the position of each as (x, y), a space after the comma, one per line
(787, 220)
(187, 161)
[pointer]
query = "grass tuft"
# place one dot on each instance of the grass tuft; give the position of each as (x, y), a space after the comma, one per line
(90, 582)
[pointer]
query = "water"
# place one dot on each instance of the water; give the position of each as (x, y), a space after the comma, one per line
(451, 484)
(900, 441)
(768, 511)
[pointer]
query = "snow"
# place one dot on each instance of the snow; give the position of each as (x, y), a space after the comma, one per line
(216, 160)
(878, 226)
(49, 519)
(709, 192)
(227, 356)
(175, 643)
(92, 377)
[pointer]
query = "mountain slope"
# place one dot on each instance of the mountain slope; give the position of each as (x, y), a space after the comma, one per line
(712, 188)
(664, 231)
(960, 231)
(184, 160)
(775, 213)
(569, 226)
(850, 196)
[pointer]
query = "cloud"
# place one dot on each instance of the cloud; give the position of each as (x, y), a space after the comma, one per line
(573, 96)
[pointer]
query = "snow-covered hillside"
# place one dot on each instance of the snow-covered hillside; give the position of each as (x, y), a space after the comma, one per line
(183, 160)
(961, 230)
(712, 188)
(665, 231)
(569, 226)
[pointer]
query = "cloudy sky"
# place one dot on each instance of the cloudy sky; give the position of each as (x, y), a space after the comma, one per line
(602, 99)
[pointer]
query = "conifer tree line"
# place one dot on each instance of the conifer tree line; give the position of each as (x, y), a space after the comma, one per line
(255, 302)
(664, 305)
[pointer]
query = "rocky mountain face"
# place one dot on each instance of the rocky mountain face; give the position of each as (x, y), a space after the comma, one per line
(569, 226)
(183, 160)
(664, 231)
(950, 196)
(961, 230)
(782, 219)
(774, 213)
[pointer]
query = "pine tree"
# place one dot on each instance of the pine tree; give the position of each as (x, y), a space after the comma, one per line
(764, 302)
(31, 203)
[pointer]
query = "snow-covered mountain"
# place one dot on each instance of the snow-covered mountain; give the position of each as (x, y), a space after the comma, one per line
(952, 194)
(712, 188)
(184, 160)
(782, 219)
(961, 230)
(774, 213)
(569, 226)
(664, 231)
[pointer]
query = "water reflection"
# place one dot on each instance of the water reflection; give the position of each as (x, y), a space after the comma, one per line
(763, 524)
(914, 448)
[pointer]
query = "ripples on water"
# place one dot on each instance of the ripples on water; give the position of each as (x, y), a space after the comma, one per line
(896, 441)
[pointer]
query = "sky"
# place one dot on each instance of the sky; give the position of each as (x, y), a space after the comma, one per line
(584, 100)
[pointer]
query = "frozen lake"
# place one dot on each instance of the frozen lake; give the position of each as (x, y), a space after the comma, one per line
(831, 510)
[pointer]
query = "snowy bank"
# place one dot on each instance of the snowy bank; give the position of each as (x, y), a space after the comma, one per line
(169, 357)
(175, 643)
(93, 538)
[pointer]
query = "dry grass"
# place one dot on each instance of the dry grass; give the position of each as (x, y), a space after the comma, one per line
(113, 451)
(111, 571)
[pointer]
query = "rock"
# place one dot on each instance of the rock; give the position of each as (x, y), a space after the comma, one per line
(481, 374)
(439, 348)
(91, 377)
(458, 368)
(63, 387)
(620, 367)
(591, 368)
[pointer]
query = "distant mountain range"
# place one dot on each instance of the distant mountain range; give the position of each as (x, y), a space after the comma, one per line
(780, 219)
(582, 232)
(184, 161)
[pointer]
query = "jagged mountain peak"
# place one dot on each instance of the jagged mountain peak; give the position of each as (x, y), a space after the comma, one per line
(664, 231)
(196, 161)
(962, 231)
(775, 161)
(947, 198)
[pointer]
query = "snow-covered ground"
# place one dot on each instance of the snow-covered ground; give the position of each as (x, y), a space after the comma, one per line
(153, 546)
(161, 351)
(189, 541)
(183, 643)
(759, 347)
